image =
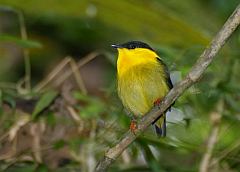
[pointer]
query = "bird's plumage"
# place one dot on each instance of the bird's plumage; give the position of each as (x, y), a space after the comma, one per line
(143, 78)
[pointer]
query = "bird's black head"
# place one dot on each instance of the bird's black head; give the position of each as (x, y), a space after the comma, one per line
(133, 45)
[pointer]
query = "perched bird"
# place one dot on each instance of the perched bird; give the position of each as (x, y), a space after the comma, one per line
(143, 80)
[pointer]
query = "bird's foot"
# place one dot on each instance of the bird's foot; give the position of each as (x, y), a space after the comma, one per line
(133, 126)
(157, 102)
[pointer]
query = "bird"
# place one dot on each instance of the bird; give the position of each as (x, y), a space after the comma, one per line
(143, 80)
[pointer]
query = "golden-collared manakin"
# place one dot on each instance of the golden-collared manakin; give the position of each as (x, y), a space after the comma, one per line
(143, 80)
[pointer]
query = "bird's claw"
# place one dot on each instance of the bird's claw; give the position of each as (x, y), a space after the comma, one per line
(157, 102)
(133, 126)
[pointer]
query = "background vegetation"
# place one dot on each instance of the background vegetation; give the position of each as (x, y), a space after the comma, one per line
(54, 117)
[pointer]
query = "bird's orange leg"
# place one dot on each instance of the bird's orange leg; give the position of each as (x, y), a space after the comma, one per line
(157, 102)
(133, 126)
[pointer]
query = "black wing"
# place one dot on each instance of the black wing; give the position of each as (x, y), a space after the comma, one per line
(167, 74)
(162, 131)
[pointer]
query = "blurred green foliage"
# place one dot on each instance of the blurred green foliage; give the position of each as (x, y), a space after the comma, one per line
(75, 139)
(45, 100)
(93, 108)
(20, 42)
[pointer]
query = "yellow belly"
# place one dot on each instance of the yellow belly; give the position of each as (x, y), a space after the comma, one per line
(140, 86)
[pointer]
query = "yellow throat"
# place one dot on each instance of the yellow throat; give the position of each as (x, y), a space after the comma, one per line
(127, 58)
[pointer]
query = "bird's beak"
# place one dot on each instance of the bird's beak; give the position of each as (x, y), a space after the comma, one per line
(116, 46)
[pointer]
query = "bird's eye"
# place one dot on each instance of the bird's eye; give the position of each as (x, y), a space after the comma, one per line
(132, 46)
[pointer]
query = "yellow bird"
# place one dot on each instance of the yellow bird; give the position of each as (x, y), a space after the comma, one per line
(143, 80)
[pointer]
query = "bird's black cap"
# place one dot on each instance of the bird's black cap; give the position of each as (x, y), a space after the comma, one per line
(133, 45)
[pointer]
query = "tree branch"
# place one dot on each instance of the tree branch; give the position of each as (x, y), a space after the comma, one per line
(193, 76)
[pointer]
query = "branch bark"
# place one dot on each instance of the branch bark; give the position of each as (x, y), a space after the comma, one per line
(193, 76)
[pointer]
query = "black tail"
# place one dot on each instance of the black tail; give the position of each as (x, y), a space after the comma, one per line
(161, 131)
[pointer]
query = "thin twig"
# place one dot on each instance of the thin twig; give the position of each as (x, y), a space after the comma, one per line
(23, 30)
(76, 118)
(51, 75)
(78, 76)
(81, 63)
(215, 119)
(193, 76)
(67, 61)
(227, 151)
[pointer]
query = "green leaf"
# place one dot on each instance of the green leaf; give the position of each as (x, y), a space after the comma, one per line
(1, 98)
(20, 42)
(25, 168)
(91, 111)
(59, 144)
(80, 96)
(93, 106)
(74, 143)
(9, 100)
(50, 119)
(149, 157)
(45, 100)
(42, 168)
